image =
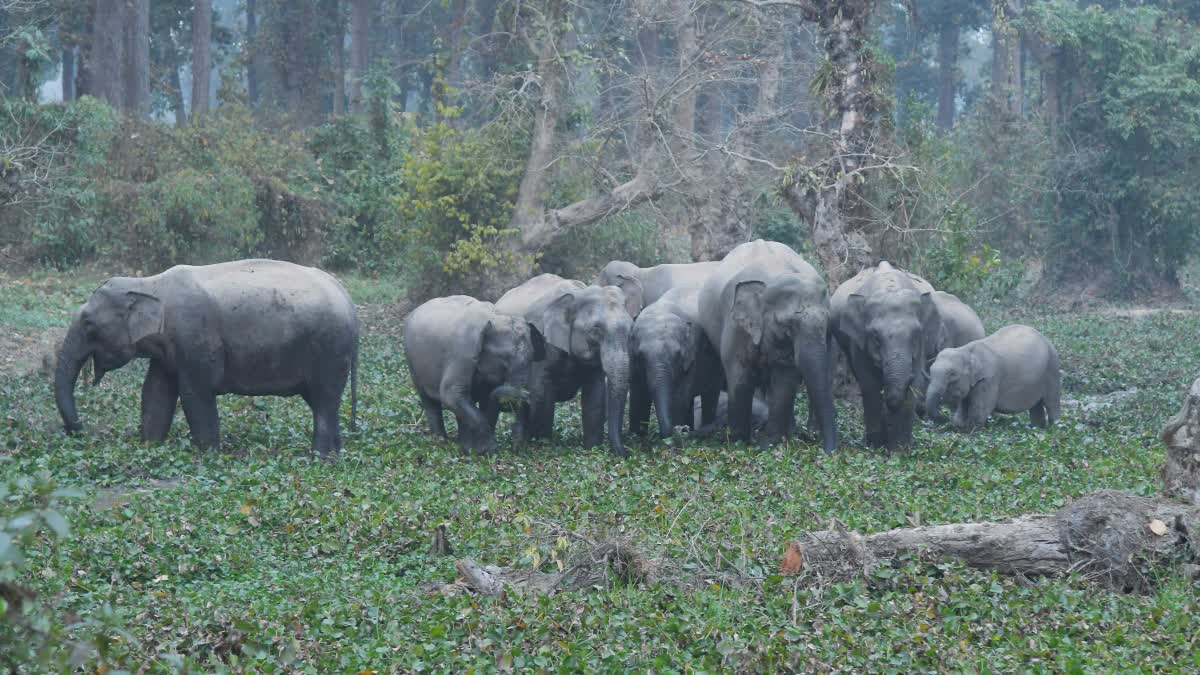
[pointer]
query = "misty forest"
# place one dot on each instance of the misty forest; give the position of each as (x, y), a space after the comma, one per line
(775, 335)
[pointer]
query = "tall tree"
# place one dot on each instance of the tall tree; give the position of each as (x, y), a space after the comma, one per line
(201, 56)
(253, 59)
(339, 61)
(360, 37)
(68, 73)
(137, 57)
(1006, 55)
(108, 52)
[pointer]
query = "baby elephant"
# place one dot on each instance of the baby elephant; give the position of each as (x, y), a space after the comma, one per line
(465, 356)
(1010, 371)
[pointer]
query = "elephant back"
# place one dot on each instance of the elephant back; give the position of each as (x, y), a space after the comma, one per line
(530, 298)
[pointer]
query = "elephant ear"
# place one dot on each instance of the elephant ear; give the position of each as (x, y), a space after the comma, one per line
(747, 310)
(555, 322)
(145, 317)
(635, 294)
(852, 321)
(538, 342)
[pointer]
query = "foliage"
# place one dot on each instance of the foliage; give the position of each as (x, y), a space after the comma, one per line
(457, 195)
(1130, 136)
(259, 558)
(633, 236)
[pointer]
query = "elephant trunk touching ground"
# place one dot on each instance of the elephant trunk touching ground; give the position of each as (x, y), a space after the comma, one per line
(897, 377)
(663, 386)
(812, 360)
(933, 398)
(614, 360)
(75, 352)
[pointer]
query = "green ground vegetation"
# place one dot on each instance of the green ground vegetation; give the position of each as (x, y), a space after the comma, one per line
(261, 558)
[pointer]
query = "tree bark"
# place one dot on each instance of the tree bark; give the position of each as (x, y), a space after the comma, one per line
(201, 56)
(947, 55)
(828, 192)
(339, 62)
(181, 117)
(491, 43)
(688, 50)
(68, 74)
(1006, 55)
(1181, 473)
(137, 58)
(360, 31)
(107, 59)
(254, 62)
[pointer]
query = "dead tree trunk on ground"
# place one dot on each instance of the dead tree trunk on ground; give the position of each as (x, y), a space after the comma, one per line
(1122, 539)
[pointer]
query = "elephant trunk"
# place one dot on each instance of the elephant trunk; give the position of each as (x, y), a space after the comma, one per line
(75, 352)
(813, 362)
(933, 398)
(614, 359)
(897, 377)
(663, 387)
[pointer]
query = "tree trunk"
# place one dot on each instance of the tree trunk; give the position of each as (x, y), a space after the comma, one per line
(1117, 537)
(1006, 55)
(829, 194)
(253, 65)
(137, 58)
(201, 56)
(491, 44)
(947, 55)
(687, 47)
(68, 73)
(108, 33)
(181, 118)
(1123, 539)
(452, 53)
(339, 62)
(360, 30)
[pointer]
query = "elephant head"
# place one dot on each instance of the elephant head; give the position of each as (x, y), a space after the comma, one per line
(896, 328)
(787, 321)
(593, 324)
(624, 275)
(107, 329)
(507, 348)
(953, 374)
(666, 349)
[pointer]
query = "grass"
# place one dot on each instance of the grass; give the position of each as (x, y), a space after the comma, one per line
(261, 558)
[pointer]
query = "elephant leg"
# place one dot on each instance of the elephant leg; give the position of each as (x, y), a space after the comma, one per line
(593, 401)
(541, 416)
(474, 432)
(708, 407)
(639, 406)
(871, 388)
(200, 409)
(1052, 401)
(160, 394)
(1037, 415)
(491, 411)
(433, 415)
(781, 404)
(327, 432)
(741, 402)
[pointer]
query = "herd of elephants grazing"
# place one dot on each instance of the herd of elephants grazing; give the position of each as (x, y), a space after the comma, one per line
(703, 344)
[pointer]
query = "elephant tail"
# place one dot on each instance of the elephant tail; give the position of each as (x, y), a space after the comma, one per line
(354, 392)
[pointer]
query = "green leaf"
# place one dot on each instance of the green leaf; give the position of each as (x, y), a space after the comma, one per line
(57, 523)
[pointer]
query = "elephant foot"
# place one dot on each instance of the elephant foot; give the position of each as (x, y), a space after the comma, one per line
(619, 450)
(877, 439)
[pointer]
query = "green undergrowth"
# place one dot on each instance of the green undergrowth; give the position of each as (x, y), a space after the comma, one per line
(261, 558)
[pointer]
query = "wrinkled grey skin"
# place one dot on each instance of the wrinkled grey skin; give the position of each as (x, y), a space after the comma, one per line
(645, 285)
(960, 325)
(466, 356)
(672, 363)
(251, 327)
(586, 329)
(887, 322)
(1010, 371)
(766, 311)
(720, 417)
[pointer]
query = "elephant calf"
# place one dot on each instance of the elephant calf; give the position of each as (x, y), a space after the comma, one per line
(466, 356)
(251, 327)
(672, 363)
(1012, 370)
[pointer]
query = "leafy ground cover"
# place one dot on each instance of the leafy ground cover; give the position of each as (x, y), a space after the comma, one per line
(261, 558)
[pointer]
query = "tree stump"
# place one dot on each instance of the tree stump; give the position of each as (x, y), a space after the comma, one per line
(1181, 434)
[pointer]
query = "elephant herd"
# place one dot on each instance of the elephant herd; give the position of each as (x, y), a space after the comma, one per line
(689, 341)
(745, 332)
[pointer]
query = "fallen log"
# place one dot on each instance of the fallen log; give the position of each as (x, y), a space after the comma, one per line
(1123, 539)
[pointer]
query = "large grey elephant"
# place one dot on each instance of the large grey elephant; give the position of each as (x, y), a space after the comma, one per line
(766, 311)
(586, 329)
(718, 420)
(466, 356)
(891, 324)
(672, 363)
(1010, 371)
(251, 327)
(645, 285)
